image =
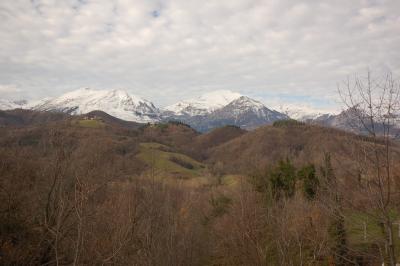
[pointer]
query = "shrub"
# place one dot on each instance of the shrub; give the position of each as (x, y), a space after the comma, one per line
(181, 162)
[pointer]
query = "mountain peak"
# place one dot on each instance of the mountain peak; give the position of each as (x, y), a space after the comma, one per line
(244, 100)
(203, 104)
(116, 102)
(221, 95)
(120, 92)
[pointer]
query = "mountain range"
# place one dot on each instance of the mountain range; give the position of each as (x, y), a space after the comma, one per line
(208, 111)
(243, 112)
(202, 113)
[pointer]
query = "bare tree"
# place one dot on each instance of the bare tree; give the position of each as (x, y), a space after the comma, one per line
(373, 106)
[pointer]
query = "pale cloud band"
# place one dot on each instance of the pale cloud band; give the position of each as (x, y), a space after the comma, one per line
(174, 49)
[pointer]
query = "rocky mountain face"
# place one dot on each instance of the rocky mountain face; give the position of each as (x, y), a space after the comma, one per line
(243, 112)
(356, 121)
(346, 120)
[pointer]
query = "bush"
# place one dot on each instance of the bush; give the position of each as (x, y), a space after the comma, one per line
(181, 162)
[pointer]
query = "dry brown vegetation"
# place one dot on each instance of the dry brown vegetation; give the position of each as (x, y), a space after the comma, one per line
(77, 195)
(303, 144)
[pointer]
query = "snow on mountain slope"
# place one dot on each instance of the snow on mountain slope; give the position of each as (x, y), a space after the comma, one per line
(247, 109)
(22, 104)
(9, 105)
(304, 112)
(246, 104)
(117, 103)
(243, 112)
(31, 104)
(203, 104)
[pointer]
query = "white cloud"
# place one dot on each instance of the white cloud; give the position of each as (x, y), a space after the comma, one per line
(175, 49)
(10, 91)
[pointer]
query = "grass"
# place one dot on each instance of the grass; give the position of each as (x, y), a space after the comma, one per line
(90, 123)
(357, 222)
(231, 180)
(168, 162)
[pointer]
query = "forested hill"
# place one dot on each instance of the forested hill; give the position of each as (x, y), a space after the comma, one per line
(93, 189)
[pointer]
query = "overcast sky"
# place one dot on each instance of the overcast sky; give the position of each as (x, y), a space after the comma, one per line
(273, 50)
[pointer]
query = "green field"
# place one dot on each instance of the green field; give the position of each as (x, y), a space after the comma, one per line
(363, 230)
(90, 123)
(167, 162)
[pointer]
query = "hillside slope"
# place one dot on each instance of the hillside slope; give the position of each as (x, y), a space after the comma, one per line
(301, 143)
(21, 117)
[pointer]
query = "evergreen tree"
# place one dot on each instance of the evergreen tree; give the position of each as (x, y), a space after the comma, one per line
(283, 179)
(310, 181)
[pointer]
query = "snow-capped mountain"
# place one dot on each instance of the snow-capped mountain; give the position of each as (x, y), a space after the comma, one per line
(9, 105)
(211, 110)
(247, 113)
(243, 112)
(357, 121)
(117, 103)
(203, 113)
(244, 106)
(306, 115)
(305, 112)
(346, 120)
(203, 104)
(220, 108)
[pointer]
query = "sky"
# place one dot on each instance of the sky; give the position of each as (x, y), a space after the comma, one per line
(277, 51)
